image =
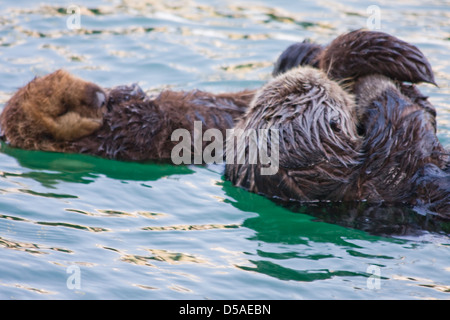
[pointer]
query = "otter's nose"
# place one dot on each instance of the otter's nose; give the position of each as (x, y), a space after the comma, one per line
(101, 99)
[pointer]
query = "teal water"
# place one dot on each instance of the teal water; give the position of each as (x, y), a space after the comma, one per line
(79, 227)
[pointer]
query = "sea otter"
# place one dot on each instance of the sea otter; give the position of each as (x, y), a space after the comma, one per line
(360, 53)
(63, 113)
(374, 141)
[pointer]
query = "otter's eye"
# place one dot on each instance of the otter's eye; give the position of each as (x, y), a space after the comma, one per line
(101, 99)
(335, 124)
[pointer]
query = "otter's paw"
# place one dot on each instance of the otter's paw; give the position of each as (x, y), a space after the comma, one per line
(298, 54)
(71, 126)
(361, 52)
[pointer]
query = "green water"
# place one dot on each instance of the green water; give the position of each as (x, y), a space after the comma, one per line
(79, 227)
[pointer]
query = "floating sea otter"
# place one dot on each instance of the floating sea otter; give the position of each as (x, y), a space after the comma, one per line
(62, 113)
(383, 148)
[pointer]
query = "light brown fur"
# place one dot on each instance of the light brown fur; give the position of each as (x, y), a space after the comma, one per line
(56, 107)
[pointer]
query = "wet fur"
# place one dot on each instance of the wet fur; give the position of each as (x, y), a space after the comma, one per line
(298, 54)
(363, 52)
(52, 109)
(403, 159)
(140, 128)
(387, 149)
(62, 113)
(316, 158)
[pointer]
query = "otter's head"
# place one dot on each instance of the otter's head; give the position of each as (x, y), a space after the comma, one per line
(56, 107)
(318, 140)
(315, 114)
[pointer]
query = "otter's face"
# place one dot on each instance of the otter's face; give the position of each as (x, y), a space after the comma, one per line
(63, 106)
(81, 109)
(89, 102)
(314, 115)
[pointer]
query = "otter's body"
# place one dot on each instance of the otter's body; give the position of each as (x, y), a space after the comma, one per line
(375, 141)
(403, 160)
(62, 113)
(141, 128)
(322, 157)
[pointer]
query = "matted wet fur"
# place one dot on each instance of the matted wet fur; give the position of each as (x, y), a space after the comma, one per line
(298, 54)
(63, 113)
(403, 161)
(384, 149)
(301, 104)
(359, 53)
(363, 52)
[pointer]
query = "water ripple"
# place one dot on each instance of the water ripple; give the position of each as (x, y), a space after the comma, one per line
(29, 247)
(75, 226)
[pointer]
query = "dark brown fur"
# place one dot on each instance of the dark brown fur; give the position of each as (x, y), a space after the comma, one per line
(403, 159)
(298, 54)
(316, 161)
(131, 126)
(359, 53)
(396, 158)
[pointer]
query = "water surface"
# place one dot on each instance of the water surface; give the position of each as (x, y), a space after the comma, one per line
(152, 231)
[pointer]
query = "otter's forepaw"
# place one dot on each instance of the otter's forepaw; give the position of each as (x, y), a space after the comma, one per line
(71, 126)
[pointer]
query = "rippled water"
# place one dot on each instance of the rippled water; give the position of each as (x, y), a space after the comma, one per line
(79, 227)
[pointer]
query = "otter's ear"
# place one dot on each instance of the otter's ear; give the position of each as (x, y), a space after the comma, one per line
(362, 52)
(298, 54)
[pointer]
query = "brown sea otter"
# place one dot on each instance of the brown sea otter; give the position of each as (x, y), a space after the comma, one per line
(383, 148)
(60, 112)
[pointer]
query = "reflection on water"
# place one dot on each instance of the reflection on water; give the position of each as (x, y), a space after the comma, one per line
(156, 231)
(51, 168)
(290, 240)
(200, 247)
(28, 247)
(379, 219)
(164, 256)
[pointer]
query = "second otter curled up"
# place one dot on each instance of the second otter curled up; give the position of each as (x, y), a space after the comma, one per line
(383, 148)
